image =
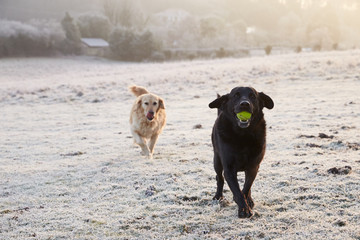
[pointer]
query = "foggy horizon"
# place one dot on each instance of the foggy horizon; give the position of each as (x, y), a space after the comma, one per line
(233, 24)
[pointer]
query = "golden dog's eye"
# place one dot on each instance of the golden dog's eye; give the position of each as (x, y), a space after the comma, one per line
(154, 103)
(146, 103)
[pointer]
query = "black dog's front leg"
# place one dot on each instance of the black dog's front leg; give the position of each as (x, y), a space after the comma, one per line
(219, 178)
(250, 176)
(231, 178)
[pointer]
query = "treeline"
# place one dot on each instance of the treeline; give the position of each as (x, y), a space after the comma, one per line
(36, 38)
(48, 38)
(126, 42)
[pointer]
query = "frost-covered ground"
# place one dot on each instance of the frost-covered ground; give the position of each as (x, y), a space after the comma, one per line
(69, 170)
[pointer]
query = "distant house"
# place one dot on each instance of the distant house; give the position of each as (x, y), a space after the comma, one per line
(95, 46)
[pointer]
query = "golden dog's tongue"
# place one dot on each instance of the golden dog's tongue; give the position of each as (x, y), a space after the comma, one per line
(150, 116)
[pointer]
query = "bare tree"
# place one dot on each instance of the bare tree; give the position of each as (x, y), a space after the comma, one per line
(123, 12)
(71, 30)
(73, 37)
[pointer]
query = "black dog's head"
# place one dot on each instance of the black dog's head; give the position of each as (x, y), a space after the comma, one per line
(243, 99)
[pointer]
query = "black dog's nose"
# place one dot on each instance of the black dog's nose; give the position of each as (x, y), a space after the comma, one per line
(245, 104)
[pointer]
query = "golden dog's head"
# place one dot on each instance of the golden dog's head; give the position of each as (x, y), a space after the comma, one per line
(150, 104)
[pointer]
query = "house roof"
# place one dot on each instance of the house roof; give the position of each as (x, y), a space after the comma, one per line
(95, 42)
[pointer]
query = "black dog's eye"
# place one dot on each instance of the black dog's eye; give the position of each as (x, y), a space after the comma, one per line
(146, 103)
(154, 103)
(237, 94)
(252, 96)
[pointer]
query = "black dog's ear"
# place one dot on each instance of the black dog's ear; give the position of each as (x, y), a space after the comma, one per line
(219, 101)
(267, 101)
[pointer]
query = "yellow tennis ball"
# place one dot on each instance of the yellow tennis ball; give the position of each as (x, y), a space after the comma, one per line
(243, 116)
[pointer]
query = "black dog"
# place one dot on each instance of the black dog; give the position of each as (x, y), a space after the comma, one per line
(239, 145)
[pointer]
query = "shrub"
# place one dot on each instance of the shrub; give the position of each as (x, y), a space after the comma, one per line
(335, 46)
(221, 53)
(158, 57)
(29, 39)
(167, 54)
(211, 26)
(317, 48)
(144, 46)
(268, 49)
(122, 44)
(128, 45)
(94, 26)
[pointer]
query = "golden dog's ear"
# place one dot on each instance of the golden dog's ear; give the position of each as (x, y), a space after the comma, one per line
(139, 102)
(161, 104)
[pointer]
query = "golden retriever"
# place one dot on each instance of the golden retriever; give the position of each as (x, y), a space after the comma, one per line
(147, 119)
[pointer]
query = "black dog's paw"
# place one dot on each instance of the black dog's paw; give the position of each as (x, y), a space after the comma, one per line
(244, 213)
(218, 197)
(250, 202)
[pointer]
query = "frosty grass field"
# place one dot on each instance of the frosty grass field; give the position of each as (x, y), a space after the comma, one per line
(69, 169)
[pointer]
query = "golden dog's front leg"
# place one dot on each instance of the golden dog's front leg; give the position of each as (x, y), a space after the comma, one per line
(142, 143)
(152, 143)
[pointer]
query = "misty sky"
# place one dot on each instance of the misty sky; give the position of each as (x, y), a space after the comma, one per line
(27, 9)
(300, 22)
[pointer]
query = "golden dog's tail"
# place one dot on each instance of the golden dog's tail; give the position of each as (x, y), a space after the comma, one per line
(137, 90)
